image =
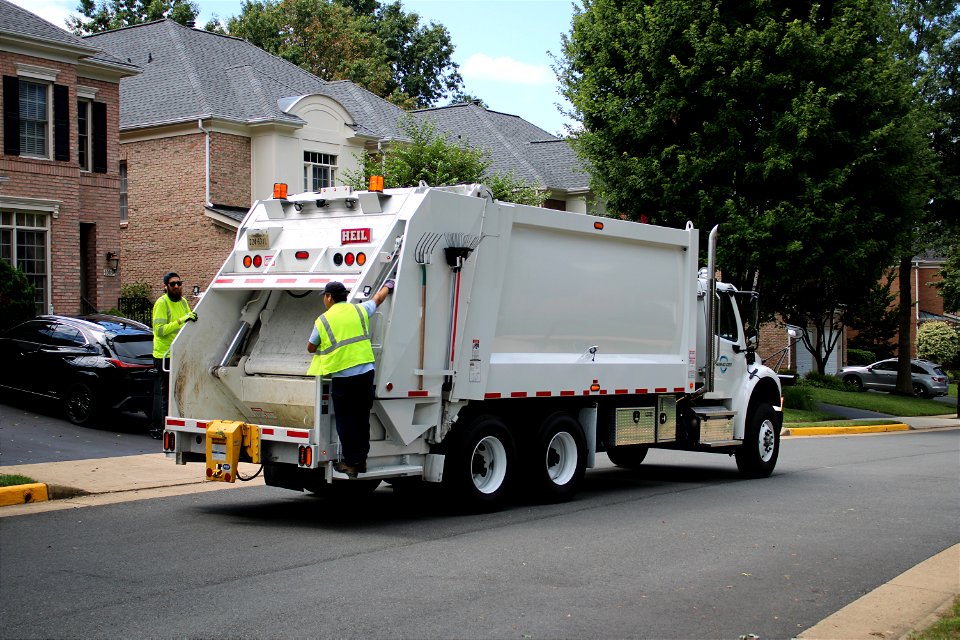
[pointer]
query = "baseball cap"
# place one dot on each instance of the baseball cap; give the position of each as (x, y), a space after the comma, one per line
(335, 288)
(168, 275)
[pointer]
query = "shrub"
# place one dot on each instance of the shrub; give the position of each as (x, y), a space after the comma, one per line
(824, 381)
(860, 356)
(798, 397)
(937, 341)
(16, 296)
(135, 290)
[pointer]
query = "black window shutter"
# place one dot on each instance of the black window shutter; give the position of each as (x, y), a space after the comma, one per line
(11, 115)
(61, 123)
(99, 137)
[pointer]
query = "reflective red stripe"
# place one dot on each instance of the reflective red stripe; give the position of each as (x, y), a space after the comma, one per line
(266, 431)
(621, 391)
(418, 394)
(281, 280)
(298, 434)
(176, 423)
(491, 396)
(255, 280)
(661, 389)
(641, 391)
(678, 389)
(544, 394)
(568, 392)
(518, 394)
(223, 280)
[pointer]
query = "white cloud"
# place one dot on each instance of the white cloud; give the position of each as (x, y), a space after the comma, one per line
(480, 66)
(53, 11)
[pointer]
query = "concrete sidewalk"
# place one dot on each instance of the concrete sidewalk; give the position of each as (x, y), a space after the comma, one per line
(109, 480)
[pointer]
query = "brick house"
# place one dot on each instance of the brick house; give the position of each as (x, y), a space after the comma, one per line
(212, 122)
(59, 172)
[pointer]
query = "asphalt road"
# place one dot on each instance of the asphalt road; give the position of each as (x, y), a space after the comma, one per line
(34, 431)
(680, 549)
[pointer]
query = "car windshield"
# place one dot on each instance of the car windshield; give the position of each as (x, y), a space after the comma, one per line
(133, 346)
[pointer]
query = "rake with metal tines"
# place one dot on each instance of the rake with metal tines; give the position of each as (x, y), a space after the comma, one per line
(422, 253)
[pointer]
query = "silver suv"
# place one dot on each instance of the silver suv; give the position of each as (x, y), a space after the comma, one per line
(929, 379)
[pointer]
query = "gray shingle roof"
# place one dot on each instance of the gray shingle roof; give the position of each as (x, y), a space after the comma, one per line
(18, 23)
(190, 73)
(514, 144)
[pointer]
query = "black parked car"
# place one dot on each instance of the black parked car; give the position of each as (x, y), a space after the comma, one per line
(90, 363)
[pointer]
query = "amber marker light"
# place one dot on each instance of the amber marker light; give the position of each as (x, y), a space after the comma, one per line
(279, 190)
(376, 183)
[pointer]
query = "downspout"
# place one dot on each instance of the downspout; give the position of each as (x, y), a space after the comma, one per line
(207, 180)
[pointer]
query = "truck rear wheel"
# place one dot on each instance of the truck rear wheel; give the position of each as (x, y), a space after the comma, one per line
(479, 464)
(558, 458)
(757, 456)
(627, 457)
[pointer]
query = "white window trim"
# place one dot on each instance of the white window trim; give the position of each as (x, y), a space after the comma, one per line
(35, 205)
(86, 93)
(88, 132)
(37, 73)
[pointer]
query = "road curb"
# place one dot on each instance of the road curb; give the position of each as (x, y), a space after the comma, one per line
(23, 493)
(829, 431)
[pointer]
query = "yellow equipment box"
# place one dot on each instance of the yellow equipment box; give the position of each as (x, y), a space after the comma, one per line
(229, 441)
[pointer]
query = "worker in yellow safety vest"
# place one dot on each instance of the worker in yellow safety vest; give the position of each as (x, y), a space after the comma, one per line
(170, 312)
(340, 344)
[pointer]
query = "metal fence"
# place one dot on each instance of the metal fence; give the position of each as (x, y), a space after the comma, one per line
(139, 309)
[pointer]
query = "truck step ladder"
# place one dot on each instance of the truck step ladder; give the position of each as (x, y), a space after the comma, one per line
(716, 426)
(388, 471)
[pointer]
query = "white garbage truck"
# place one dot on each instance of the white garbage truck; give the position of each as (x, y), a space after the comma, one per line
(519, 343)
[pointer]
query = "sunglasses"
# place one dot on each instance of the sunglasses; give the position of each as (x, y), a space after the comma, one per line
(175, 284)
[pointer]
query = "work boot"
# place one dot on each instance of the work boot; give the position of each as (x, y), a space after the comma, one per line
(343, 467)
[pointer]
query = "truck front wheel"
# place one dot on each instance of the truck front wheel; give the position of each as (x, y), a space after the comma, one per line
(558, 458)
(757, 456)
(479, 464)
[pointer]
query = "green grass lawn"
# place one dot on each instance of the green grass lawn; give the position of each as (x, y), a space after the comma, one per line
(12, 480)
(870, 401)
(947, 628)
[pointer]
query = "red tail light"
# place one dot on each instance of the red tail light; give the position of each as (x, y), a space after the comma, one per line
(120, 364)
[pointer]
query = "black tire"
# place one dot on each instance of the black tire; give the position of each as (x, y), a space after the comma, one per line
(920, 391)
(80, 403)
(854, 382)
(757, 456)
(628, 457)
(557, 459)
(479, 464)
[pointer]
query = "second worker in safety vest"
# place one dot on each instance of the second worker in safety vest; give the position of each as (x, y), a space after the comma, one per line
(340, 344)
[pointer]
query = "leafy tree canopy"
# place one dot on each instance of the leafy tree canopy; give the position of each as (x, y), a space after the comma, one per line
(376, 45)
(791, 123)
(429, 156)
(104, 15)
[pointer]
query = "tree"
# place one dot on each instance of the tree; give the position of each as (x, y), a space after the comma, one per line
(927, 43)
(105, 15)
(379, 47)
(429, 156)
(17, 296)
(790, 123)
(876, 320)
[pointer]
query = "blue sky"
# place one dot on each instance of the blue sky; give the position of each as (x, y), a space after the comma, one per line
(501, 46)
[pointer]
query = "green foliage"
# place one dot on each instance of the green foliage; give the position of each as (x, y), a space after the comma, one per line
(429, 156)
(938, 342)
(876, 319)
(799, 397)
(17, 296)
(104, 15)
(949, 285)
(137, 289)
(789, 123)
(860, 356)
(378, 46)
(823, 381)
